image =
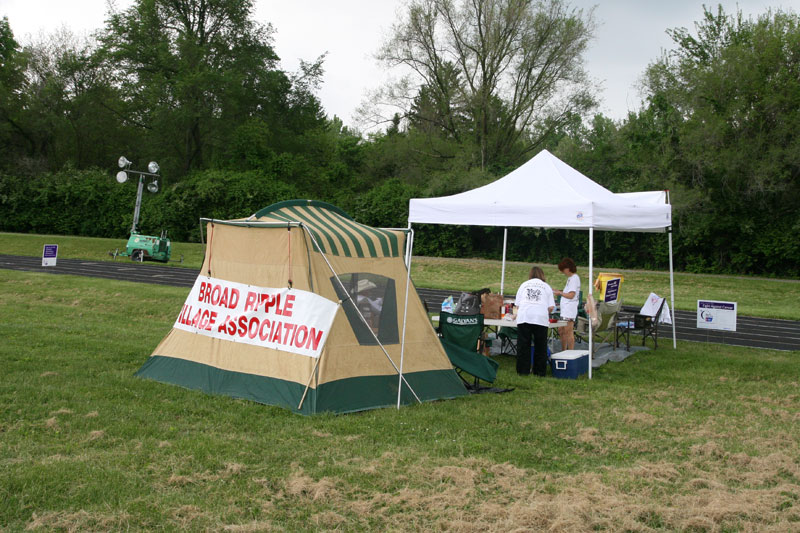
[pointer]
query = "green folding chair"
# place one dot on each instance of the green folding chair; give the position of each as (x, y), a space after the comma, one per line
(461, 339)
(508, 340)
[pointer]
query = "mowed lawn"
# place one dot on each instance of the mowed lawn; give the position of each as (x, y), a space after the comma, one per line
(702, 438)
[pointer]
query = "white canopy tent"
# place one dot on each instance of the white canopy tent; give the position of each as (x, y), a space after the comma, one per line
(545, 192)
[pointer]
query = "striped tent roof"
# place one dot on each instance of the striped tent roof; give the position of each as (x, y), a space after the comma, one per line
(334, 230)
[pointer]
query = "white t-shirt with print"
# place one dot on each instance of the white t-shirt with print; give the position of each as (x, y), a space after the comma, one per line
(533, 299)
(569, 306)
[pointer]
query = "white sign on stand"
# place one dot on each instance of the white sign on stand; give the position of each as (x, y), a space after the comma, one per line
(49, 255)
(713, 314)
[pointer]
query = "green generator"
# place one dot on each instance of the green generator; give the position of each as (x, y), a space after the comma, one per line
(148, 248)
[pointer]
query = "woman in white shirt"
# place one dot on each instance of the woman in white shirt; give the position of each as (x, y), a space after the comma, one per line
(534, 304)
(569, 302)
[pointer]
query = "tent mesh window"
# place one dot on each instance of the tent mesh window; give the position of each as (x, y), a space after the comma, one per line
(376, 299)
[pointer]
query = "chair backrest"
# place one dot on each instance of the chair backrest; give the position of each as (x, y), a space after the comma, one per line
(608, 313)
(653, 306)
(462, 330)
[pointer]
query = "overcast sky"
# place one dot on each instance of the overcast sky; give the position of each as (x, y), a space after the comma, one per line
(630, 34)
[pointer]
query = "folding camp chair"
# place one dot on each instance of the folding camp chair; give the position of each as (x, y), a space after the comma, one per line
(508, 340)
(461, 339)
(645, 322)
(581, 310)
(606, 330)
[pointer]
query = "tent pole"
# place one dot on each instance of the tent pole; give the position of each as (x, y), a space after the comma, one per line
(408, 249)
(313, 372)
(591, 285)
(503, 274)
(672, 292)
(410, 245)
(672, 286)
(361, 316)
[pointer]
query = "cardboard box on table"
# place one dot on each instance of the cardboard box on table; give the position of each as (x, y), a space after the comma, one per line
(491, 305)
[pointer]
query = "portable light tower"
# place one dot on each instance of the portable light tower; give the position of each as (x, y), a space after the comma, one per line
(143, 247)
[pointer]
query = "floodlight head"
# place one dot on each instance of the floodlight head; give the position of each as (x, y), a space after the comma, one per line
(152, 167)
(153, 186)
(123, 162)
(122, 176)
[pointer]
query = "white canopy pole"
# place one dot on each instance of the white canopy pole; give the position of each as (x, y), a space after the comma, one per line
(503, 274)
(410, 239)
(408, 250)
(672, 287)
(591, 285)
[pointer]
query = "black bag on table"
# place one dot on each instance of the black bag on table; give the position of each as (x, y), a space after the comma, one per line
(468, 304)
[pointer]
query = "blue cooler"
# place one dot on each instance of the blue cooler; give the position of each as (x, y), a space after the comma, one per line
(569, 364)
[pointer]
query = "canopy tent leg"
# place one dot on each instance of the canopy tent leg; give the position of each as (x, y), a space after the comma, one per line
(591, 285)
(672, 291)
(410, 244)
(360, 315)
(503, 273)
(408, 250)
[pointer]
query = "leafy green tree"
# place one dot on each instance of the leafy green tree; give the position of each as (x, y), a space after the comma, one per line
(14, 137)
(727, 100)
(197, 73)
(489, 73)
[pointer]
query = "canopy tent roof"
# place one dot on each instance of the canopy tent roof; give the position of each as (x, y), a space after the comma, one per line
(545, 192)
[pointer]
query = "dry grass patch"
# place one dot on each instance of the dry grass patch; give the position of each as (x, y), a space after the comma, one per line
(186, 515)
(78, 521)
(636, 417)
(256, 526)
(299, 484)
(468, 494)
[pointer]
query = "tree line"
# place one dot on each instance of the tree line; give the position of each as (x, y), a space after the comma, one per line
(485, 84)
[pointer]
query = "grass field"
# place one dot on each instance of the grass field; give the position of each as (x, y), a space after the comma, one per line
(92, 248)
(702, 438)
(772, 298)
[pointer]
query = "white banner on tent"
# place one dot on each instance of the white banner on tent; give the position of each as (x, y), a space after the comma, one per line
(284, 319)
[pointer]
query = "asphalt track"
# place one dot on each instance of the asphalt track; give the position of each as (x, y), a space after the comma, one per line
(753, 332)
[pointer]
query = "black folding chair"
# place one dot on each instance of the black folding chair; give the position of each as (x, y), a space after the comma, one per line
(644, 325)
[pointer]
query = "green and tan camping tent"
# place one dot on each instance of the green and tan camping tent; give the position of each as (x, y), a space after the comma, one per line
(302, 307)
